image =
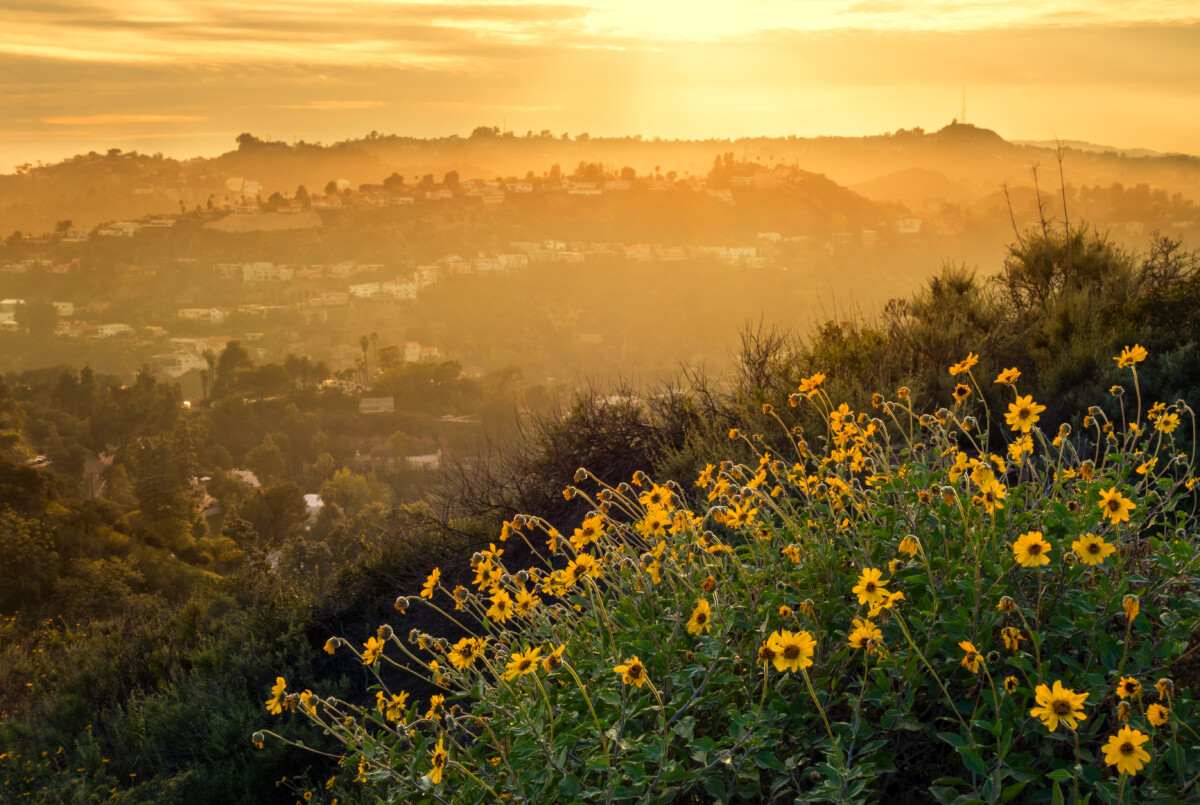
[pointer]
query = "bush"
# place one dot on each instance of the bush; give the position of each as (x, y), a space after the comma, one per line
(893, 611)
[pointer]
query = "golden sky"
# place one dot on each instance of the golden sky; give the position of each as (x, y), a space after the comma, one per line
(185, 78)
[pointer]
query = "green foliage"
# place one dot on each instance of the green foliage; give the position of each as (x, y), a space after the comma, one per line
(954, 641)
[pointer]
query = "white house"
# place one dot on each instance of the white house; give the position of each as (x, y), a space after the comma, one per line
(266, 272)
(366, 290)
(398, 290)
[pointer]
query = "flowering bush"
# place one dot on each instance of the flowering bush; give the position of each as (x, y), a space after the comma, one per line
(889, 607)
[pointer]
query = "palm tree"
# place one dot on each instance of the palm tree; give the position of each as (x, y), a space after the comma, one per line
(364, 342)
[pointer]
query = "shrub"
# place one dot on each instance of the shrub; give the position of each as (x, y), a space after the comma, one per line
(891, 610)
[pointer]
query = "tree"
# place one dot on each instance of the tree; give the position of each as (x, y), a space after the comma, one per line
(28, 562)
(331, 188)
(299, 367)
(62, 227)
(233, 358)
(275, 513)
(451, 180)
(267, 460)
(389, 357)
(364, 342)
(301, 196)
(394, 182)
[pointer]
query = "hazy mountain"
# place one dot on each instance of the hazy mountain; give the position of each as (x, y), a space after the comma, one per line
(916, 188)
(960, 161)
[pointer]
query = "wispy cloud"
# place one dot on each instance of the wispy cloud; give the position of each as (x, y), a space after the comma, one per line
(329, 105)
(105, 120)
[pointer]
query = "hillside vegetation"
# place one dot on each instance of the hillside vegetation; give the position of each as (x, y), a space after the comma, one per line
(154, 689)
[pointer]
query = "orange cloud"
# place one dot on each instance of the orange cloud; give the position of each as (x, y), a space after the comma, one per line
(105, 120)
(330, 105)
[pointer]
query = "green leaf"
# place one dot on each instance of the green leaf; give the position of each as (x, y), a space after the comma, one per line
(1010, 792)
(953, 738)
(973, 762)
(569, 786)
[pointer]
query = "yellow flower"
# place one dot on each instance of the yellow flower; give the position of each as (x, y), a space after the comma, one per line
(526, 602)
(793, 652)
(1058, 704)
(1008, 376)
(654, 524)
(870, 587)
(553, 661)
(438, 761)
(392, 709)
(502, 607)
(580, 567)
(888, 602)
(1012, 638)
(588, 532)
(278, 693)
(460, 597)
(965, 364)
(1157, 715)
(972, 659)
(705, 477)
(1010, 685)
(1129, 356)
(1018, 448)
(1167, 423)
(435, 706)
(865, 634)
(373, 650)
(1023, 413)
(740, 514)
(700, 620)
(331, 645)
(1131, 606)
(1123, 711)
(465, 652)
(809, 385)
(431, 584)
(1116, 507)
(910, 546)
(1128, 688)
(522, 664)
(991, 492)
(632, 672)
(785, 611)
(961, 393)
(658, 497)
(1030, 550)
(1124, 750)
(1165, 688)
(1092, 550)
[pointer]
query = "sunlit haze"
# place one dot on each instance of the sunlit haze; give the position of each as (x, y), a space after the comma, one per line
(186, 78)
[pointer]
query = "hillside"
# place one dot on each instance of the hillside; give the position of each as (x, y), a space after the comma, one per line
(92, 188)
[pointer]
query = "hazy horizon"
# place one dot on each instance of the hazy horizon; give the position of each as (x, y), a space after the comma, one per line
(185, 79)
